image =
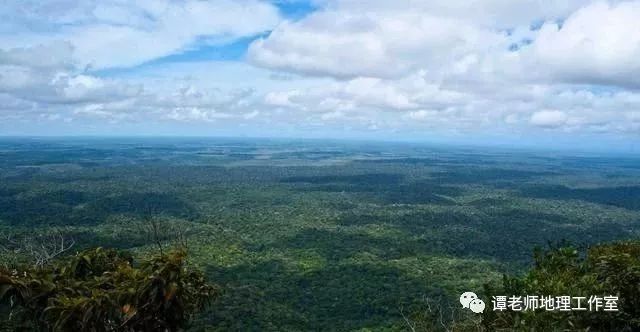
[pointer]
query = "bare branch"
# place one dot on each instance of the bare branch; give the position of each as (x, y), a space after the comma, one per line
(152, 229)
(407, 321)
(41, 248)
(182, 237)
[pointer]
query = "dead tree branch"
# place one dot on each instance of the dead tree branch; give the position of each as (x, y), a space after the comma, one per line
(40, 248)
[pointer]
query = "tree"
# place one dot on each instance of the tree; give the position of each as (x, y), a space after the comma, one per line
(39, 248)
(102, 290)
(607, 269)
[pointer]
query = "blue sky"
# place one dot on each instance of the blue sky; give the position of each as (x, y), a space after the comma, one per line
(234, 50)
(525, 72)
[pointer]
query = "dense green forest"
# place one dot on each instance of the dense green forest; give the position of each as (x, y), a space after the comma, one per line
(316, 235)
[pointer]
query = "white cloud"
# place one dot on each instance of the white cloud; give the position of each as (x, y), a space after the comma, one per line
(117, 33)
(391, 39)
(598, 44)
(195, 114)
(54, 80)
(53, 56)
(281, 99)
(492, 13)
(332, 116)
(422, 115)
(347, 45)
(549, 119)
(471, 64)
(455, 42)
(250, 115)
(447, 66)
(84, 88)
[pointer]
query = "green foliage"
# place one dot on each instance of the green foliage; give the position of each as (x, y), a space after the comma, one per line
(607, 269)
(101, 290)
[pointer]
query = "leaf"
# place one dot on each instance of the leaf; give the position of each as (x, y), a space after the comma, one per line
(4, 289)
(171, 291)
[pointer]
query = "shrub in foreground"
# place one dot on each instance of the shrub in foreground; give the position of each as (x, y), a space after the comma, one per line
(102, 290)
(607, 269)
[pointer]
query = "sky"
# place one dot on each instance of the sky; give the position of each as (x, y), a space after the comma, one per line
(530, 72)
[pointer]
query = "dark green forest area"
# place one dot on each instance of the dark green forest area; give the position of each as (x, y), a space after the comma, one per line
(317, 235)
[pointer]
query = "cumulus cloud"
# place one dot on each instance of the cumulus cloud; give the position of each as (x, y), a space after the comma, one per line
(599, 43)
(462, 41)
(85, 88)
(549, 119)
(470, 64)
(394, 66)
(347, 45)
(54, 78)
